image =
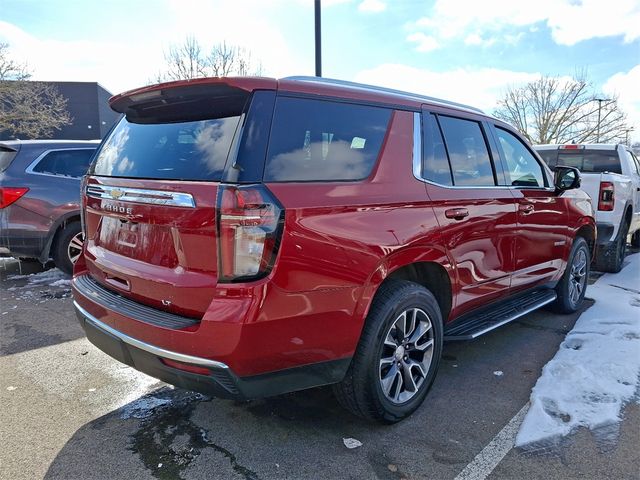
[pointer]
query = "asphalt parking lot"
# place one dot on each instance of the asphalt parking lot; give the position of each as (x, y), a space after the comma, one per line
(68, 411)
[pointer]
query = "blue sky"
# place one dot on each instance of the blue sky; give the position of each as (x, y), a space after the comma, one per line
(468, 51)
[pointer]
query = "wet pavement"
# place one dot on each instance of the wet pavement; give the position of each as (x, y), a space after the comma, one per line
(69, 411)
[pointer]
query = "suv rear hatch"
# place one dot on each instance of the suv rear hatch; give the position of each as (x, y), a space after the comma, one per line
(151, 194)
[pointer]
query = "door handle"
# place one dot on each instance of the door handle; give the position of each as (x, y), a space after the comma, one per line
(526, 208)
(456, 213)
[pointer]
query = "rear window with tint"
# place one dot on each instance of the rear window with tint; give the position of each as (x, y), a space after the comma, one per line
(468, 152)
(68, 163)
(591, 161)
(436, 166)
(550, 157)
(314, 140)
(195, 150)
(588, 161)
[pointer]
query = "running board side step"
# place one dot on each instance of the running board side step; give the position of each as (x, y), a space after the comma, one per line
(475, 324)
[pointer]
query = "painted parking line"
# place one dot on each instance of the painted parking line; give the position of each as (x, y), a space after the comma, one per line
(488, 459)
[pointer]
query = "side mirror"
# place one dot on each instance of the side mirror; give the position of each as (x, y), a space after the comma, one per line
(566, 178)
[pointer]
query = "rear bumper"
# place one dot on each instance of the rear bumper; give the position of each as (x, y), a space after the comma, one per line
(220, 381)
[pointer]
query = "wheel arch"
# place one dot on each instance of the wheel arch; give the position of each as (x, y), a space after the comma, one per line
(55, 230)
(426, 266)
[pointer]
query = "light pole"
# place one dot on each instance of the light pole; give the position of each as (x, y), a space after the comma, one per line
(600, 100)
(626, 136)
(318, 38)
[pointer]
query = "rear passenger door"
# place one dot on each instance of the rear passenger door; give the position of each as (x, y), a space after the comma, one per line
(543, 234)
(477, 218)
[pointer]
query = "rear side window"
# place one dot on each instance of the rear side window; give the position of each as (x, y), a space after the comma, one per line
(314, 140)
(194, 150)
(6, 157)
(591, 161)
(468, 153)
(436, 166)
(67, 163)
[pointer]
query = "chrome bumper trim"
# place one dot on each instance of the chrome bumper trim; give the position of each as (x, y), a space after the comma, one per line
(160, 352)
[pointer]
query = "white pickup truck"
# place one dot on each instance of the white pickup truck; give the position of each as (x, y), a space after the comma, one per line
(611, 177)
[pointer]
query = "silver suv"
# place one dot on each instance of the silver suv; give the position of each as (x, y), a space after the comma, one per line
(39, 198)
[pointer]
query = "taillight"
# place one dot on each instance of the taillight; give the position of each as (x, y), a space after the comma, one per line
(8, 195)
(250, 222)
(606, 199)
(83, 205)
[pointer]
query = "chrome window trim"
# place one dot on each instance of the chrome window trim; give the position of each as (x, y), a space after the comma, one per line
(417, 165)
(40, 157)
(160, 352)
(140, 195)
(417, 146)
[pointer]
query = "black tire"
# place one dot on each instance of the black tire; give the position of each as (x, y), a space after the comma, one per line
(610, 259)
(62, 244)
(361, 391)
(577, 266)
(635, 239)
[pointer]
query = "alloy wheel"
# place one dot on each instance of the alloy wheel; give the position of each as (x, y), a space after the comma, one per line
(407, 354)
(578, 277)
(74, 249)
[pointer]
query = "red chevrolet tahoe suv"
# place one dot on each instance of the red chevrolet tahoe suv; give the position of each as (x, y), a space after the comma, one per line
(248, 237)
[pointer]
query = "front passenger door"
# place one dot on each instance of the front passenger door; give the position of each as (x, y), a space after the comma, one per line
(542, 232)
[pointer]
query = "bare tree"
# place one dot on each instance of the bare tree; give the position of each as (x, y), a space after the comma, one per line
(28, 109)
(9, 68)
(558, 110)
(188, 60)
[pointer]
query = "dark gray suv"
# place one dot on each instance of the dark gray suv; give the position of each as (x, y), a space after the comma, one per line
(39, 198)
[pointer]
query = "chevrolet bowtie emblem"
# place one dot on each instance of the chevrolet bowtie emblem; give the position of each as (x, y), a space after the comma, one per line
(116, 194)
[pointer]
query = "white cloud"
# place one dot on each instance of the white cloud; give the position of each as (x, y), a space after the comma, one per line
(123, 63)
(424, 43)
(627, 86)
(479, 88)
(475, 39)
(372, 6)
(570, 21)
(83, 60)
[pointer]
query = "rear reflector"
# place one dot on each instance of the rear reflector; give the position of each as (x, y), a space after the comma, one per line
(187, 367)
(606, 197)
(250, 223)
(8, 195)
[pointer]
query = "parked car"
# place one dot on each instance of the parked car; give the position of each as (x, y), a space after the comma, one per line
(248, 237)
(40, 198)
(611, 177)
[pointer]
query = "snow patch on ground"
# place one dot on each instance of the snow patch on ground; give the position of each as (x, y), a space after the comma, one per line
(48, 277)
(40, 287)
(597, 368)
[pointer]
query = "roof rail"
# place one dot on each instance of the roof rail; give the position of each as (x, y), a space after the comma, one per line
(364, 86)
